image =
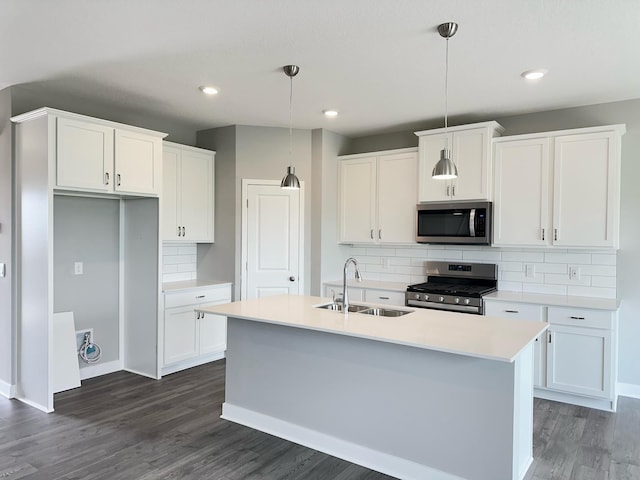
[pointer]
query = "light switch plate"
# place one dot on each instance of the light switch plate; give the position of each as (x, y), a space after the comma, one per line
(529, 270)
(78, 268)
(574, 273)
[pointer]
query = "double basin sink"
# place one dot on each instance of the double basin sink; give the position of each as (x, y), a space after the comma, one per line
(367, 310)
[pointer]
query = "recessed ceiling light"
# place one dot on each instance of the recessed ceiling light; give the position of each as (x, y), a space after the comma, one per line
(330, 113)
(534, 74)
(209, 90)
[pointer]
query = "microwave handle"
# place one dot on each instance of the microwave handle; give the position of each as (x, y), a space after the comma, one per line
(472, 222)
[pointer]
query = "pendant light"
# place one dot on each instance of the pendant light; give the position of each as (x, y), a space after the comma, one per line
(445, 169)
(290, 181)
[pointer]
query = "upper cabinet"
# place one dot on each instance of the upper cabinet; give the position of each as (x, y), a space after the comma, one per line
(94, 155)
(558, 188)
(378, 196)
(188, 194)
(470, 147)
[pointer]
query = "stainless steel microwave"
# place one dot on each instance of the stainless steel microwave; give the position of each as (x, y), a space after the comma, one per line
(454, 223)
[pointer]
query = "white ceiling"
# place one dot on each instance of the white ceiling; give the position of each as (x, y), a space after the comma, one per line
(379, 62)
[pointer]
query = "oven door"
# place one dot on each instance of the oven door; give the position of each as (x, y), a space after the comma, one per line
(454, 223)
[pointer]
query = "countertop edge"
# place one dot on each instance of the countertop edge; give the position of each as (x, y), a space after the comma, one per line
(545, 299)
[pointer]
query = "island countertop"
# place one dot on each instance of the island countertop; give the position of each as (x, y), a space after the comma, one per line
(477, 336)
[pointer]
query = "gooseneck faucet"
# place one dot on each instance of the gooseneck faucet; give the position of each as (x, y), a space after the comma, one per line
(345, 294)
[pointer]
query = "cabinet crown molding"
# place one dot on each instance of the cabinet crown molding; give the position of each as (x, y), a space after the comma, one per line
(619, 128)
(458, 128)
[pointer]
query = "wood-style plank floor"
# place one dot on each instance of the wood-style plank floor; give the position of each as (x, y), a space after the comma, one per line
(123, 426)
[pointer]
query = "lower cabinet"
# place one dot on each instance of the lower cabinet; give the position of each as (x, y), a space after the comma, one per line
(575, 360)
(366, 294)
(191, 338)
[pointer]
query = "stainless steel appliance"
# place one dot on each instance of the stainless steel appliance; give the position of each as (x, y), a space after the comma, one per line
(458, 223)
(452, 286)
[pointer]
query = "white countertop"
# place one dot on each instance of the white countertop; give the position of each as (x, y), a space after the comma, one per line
(189, 284)
(460, 333)
(377, 284)
(611, 304)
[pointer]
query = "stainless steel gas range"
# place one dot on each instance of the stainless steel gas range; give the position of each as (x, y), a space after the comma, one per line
(458, 287)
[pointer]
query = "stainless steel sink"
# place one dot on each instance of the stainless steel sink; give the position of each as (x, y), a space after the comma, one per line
(338, 307)
(385, 312)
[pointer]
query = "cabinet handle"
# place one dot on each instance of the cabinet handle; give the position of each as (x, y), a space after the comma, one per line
(543, 234)
(383, 298)
(106, 178)
(380, 234)
(453, 190)
(512, 311)
(118, 178)
(200, 296)
(448, 190)
(555, 234)
(372, 234)
(549, 337)
(179, 231)
(184, 231)
(576, 318)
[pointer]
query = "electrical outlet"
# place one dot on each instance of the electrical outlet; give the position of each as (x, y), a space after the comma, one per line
(78, 268)
(385, 263)
(574, 273)
(529, 270)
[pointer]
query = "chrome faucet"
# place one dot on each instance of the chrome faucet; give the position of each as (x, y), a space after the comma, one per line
(345, 294)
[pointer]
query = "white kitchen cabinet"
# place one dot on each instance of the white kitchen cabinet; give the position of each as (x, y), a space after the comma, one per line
(523, 311)
(94, 155)
(188, 194)
(385, 297)
(378, 196)
(334, 291)
(558, 188)
(470, 147)
(580, 352)
(192, 338)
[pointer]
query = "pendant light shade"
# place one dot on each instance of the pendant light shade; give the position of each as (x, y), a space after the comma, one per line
(290, 181)
(445, 168)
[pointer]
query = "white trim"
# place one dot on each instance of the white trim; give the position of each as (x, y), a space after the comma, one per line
(629, 390)
(99, 369)
(35, 405)
(381, 152)
(7, 390)
(619, 129)
(193, 362)
(137, 372)
(244, 254)
(367, 457)
(590, 402)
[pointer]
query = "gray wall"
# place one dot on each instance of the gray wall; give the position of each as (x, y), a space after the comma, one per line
(6, 232)
(87, 230)
(217, 261)
(628, 258)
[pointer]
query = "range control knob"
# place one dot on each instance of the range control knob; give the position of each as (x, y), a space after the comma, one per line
(457, 300)
(442, 299)
(467, 301)
(426, 298)
(417, 296)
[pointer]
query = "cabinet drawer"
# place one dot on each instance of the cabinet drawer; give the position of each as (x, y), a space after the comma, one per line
(197, 297)
(581, 317)
(385, 297)
(520, 311)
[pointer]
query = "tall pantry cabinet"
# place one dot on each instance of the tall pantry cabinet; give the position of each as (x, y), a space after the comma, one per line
(63, 154)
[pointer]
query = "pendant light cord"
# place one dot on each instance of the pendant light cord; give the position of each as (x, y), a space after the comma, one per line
(446, 88)
(290, 121)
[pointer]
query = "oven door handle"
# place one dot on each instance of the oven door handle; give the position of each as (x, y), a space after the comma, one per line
(440, 306)
(472, 222)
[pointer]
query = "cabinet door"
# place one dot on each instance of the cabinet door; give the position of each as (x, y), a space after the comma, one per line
(521, 193)
(84, 156)
(430, 190)
(357, 204)
(586, 190)
(471, 153)
(579, 360)
(138, 165)
(397, 198)
(212, 333)
(196, 196)
(180, 334)
(521, 311)
(170, 174)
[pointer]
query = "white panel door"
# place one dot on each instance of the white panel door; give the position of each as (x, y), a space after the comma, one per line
(272, 241)
(212, 333)
(357, 216)
(585, 183)
(137, 162)
(170, 175)
(196, 196)
(471, 156)
(429, 149)
(521, 193)
(180, 334)
(84, 155)
(397, 198)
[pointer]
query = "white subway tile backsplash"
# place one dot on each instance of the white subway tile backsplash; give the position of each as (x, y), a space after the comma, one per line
(188, 250)
(172, 259)
(406, 264)
(169, 250)
(187, 267)
(169, 269)
(179, 262)
(178, 277)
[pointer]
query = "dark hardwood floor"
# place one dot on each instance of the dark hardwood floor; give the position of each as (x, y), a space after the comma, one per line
(123, 426)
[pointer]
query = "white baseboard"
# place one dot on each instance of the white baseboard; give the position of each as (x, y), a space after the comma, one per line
(367, 457)
(590, 402)
(98, 369)
(629, 390)
(194, 362)
(35, 405)
(7, 390)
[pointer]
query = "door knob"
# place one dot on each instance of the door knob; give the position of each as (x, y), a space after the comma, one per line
(292, 278)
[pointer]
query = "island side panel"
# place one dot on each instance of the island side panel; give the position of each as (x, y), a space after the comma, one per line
(449, 412)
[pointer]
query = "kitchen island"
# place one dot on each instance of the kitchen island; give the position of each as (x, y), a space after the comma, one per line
(427, 395)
